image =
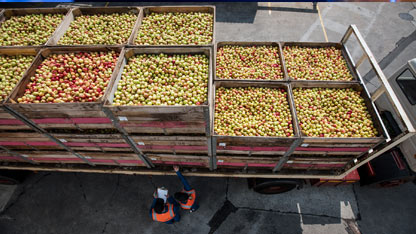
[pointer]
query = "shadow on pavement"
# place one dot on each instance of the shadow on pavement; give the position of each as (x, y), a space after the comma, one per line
(232, 12)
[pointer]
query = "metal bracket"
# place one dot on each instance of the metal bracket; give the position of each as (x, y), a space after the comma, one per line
(40, 130)
(19, 156)
(140, 155)
(289, 152)
(212, 152)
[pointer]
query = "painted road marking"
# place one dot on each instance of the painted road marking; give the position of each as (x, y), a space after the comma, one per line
(336, 27)
(269, 5)
(357, 9)
(322, 23)
(315, 24)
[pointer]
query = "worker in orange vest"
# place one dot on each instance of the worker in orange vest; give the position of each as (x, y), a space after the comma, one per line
(165, 213)
(186, 198)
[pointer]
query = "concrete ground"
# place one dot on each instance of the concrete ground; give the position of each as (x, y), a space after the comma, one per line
(100, 203)
(92, 203)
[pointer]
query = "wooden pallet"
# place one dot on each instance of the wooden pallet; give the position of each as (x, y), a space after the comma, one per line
(75, 12)
(87, 115)
(182, 9)
(167, 120)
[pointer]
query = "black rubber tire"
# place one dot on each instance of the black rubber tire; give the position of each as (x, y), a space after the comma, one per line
(13, 176)
(8, 181)
(274, 186)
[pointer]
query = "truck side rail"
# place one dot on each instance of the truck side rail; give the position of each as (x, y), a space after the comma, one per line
(385, 88)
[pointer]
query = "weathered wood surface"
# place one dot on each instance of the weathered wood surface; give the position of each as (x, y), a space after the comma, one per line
(94, 142)
(197, 145)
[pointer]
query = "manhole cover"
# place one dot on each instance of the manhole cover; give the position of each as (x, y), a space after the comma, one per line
(406, 16)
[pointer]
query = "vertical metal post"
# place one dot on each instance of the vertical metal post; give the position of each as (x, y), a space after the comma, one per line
(212, 144)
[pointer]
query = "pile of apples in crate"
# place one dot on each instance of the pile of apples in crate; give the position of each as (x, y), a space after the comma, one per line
(73, 77)
(161, 79)
(263, 111)
(27, 30)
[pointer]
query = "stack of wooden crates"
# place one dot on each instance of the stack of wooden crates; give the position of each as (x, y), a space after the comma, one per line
(99, 132)
(161, 136)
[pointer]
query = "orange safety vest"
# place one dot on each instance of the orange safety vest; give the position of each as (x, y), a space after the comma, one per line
(164, 217)
(191, 199)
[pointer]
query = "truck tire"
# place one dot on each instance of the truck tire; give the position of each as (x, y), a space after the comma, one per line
(12, 177)
(8, 181)
(274, 186)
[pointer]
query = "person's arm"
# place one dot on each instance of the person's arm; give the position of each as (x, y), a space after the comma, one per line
(151, 207)
(176, 205)
(172, 201)
(185, 183)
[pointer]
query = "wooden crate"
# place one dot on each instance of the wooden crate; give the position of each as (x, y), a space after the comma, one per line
(311, 162)
(77, 115)
(168, 120)
(8, 121)
(7, 157)
(332, 146)
(7, 13)
(195, 145)
(189, 160)
(181, 9)
(339, 46)
(130, 159)
(101, 142)
(233, 161)
(27, 140)
(75, 12)
(49, 156)
(247, 44)
(253, 145)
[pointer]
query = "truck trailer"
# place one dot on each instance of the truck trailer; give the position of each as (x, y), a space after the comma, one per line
(103, 136)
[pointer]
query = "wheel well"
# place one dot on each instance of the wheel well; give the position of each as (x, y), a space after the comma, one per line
(274, 186)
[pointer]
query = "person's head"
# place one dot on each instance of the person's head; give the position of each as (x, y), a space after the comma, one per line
(182, 197)
(159, 205)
